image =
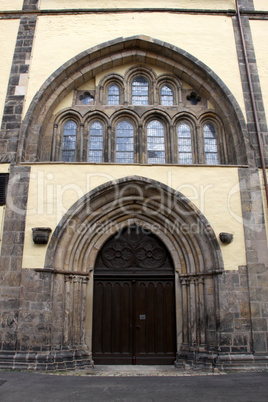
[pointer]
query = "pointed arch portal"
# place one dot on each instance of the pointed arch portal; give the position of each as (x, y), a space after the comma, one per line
(175, 248)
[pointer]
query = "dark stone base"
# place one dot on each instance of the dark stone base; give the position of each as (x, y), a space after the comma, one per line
(242, 362)
(221, 362)
(46, 361)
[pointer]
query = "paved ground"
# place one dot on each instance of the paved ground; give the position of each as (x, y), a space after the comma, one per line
(144, 384)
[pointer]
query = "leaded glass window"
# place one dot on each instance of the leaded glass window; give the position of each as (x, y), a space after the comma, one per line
(69, 141)
(125, 142)
(185, 144)
(140, 91)
(113, 95)
(155, 142)
(95, 142)
(166, 96)
(210, 144)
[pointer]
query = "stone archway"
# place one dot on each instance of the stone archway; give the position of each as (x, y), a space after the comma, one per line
(140, 49)
(169, 215)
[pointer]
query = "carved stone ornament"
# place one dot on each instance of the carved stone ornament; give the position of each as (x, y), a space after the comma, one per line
(41, 235)
(226, 238)
(134, 248)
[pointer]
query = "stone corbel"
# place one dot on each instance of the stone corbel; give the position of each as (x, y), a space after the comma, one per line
(41, 235)
(226, 238)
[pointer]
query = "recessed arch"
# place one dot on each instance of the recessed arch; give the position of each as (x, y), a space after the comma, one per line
(171, 217)
(122, 51)
(138, 199)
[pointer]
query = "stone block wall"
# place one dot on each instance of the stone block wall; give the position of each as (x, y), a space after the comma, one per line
(12, 115)
(257, 256)
(11, 255)
(235, 315)
(34, 326)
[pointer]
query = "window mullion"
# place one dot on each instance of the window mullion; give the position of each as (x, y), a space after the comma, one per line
(200, 155)
(55, 143)
(80, 143)
(172, 155)
(140, 145)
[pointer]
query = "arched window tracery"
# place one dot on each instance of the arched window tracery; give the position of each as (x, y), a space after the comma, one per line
(158, 135)
(69, 141)
(210, 144)
(155, 142)
(95, 151)
(113, 94)
(140, 91)
(185, 151)
(124, 142)
(167, 96)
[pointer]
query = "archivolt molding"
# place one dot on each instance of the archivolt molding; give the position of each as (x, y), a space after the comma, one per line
(121, 51)
(109, 208)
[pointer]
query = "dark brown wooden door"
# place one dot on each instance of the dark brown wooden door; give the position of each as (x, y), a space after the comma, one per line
(134, 307)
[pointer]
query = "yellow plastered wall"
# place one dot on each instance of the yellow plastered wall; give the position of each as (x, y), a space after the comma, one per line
(261, 5)
(259, 31)
(86, 4)
(8, 36)
(9, 5)
(214, 190)
(209, 38)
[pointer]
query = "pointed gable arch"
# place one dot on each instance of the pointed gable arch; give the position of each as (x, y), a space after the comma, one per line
(87, 64)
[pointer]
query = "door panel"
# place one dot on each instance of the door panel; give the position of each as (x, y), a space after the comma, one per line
(134, 300)
(112, 322)
(155, 322)
(134, 322)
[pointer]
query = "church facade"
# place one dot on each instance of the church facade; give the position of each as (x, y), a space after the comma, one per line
(133, 184)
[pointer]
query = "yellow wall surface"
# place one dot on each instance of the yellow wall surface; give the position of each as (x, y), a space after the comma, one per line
(8, 36)
(209, 38)
(259, 31)
(9, 5)
(214, 190)
(261, 5)
(189, 4)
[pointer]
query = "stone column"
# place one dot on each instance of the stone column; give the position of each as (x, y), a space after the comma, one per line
(185, 337)
(202, 329)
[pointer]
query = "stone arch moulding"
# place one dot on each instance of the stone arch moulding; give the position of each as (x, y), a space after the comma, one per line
(183, 229)
(140, 49)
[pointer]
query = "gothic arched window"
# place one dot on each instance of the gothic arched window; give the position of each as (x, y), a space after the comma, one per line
(185, 144)
(140, 91)
(167, 98)
(113, 95)
(69, 141)
(95, 142)
(156, 142)
(125, 142)
(210, 144)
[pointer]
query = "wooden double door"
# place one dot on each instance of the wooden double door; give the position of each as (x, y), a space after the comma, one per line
(134, 308)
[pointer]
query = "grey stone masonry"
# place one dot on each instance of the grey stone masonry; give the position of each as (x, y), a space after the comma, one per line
(34, 324)
(256, 88)
(246, 4)
(11, 255)
(30, 5)
(257, 256)
(12, 115)
(235, 320)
